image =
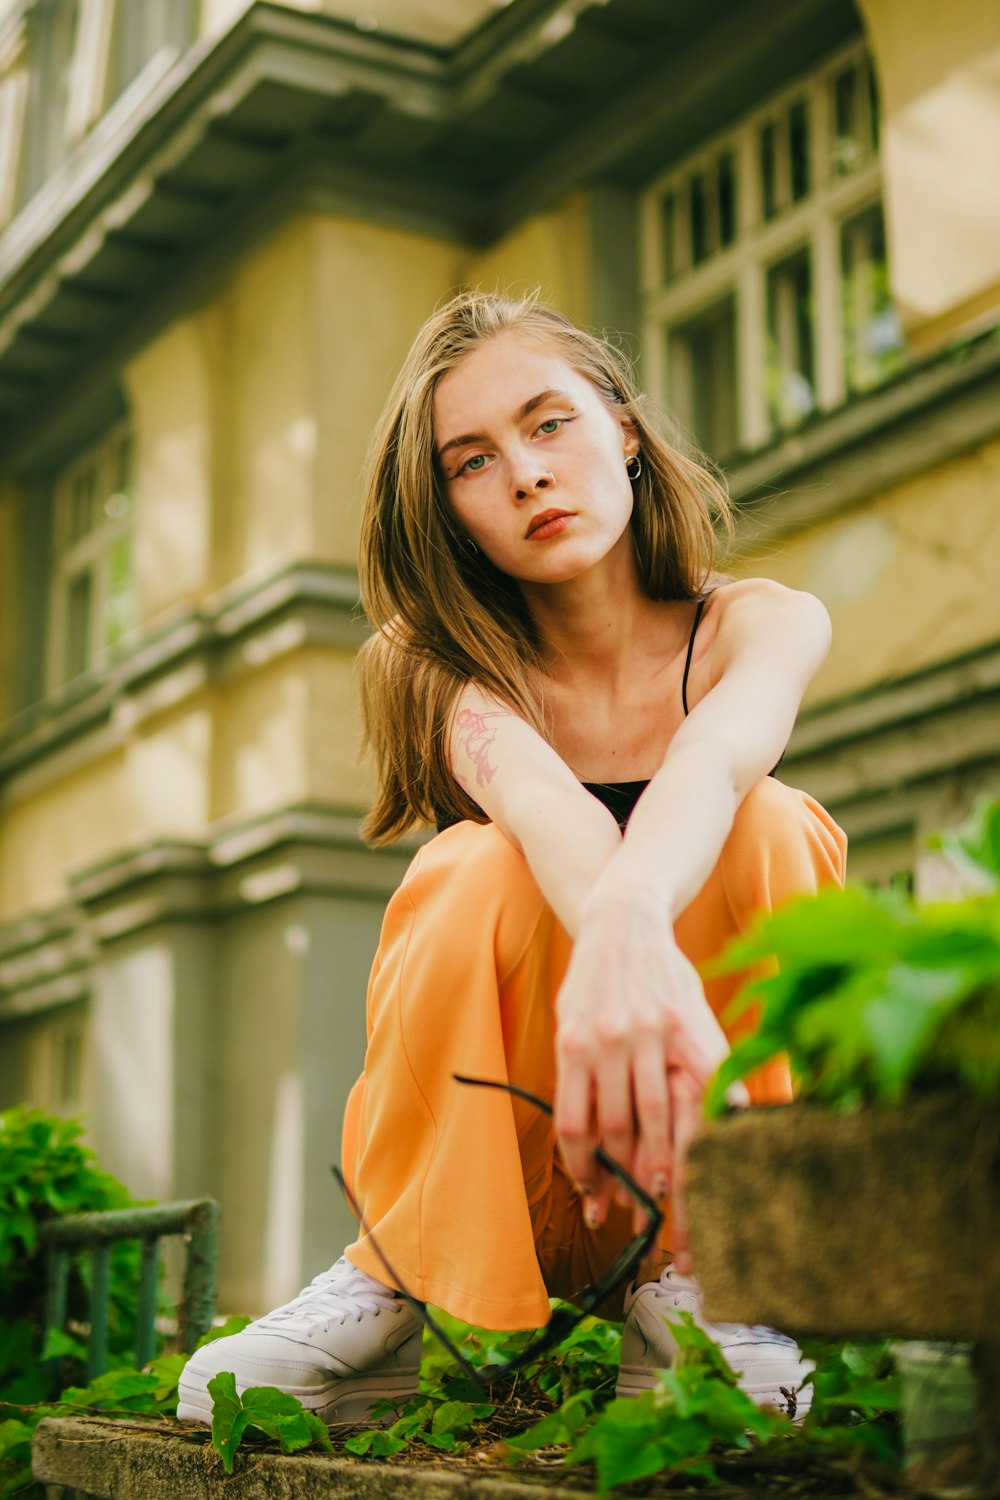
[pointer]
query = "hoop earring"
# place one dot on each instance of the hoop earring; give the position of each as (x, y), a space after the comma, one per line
(633, 467)
(470, 546)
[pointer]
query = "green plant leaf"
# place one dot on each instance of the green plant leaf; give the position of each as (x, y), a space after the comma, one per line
(59, 1345)
(224, 1331)
(447, 1442)
(454, 1417)
(229, 1420)
(375, 1443)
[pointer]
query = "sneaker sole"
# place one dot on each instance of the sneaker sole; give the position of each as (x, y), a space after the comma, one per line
(341, 1403)
(634, 1381)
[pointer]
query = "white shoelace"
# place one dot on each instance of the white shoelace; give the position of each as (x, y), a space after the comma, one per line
(335, 1295)
(685, 1289)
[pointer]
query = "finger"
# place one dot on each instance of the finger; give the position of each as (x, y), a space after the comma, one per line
(641, 1171)
(686, 1095)
(697, 1043)
(615, 1115)
(652, 1108)
(573, 1119)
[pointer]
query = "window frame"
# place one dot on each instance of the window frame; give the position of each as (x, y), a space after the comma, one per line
(88, 554)
(741, 269)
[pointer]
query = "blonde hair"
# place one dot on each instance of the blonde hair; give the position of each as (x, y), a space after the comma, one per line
(444, 615)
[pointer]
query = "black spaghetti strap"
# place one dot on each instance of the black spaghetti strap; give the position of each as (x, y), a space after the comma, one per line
(687, 664)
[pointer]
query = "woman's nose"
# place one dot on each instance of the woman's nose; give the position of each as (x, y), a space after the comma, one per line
(529, 476)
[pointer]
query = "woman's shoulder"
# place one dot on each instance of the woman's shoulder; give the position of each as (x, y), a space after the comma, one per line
(744, 614)
(757, 598)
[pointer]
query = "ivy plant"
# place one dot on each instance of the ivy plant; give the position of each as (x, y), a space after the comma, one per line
(877, 996)
(45, 1172)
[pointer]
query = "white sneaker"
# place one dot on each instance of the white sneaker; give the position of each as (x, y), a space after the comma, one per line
(768, 1365)
(341, 1345)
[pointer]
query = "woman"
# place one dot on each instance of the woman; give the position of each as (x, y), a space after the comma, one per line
(558, 681)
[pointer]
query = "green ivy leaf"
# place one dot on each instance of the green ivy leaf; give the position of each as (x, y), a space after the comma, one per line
(229, 1420)
(446, 1441)
(454, 1416)
(375, 1443)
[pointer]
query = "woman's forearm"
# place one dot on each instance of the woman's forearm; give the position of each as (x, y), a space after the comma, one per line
(676, 833)
(568, 840)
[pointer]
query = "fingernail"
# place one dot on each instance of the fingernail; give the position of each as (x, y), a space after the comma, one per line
(661, 1185)
(591, 1213)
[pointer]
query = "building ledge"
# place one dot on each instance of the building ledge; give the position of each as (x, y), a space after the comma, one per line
(932, 412)
(237, 630)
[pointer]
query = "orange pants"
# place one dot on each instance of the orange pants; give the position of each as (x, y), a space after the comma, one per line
(463, 1187)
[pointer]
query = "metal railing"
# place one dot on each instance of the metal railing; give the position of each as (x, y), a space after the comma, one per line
(197, 1220)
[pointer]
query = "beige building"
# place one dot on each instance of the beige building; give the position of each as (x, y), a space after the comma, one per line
(220, 225)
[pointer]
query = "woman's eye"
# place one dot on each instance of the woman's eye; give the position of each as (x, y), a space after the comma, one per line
(550, 425)
(473, 464)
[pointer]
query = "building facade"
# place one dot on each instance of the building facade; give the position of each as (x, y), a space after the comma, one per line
(220, 225)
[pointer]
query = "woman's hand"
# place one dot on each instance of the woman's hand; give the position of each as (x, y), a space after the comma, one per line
(636, 1043)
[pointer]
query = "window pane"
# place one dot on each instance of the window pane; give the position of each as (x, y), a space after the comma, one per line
(76, 636)
(769, 170)
(699, 218)
(668, 233)
(81, 516)
(798, 149)
(790, 364)
(873, 339)
(726, 183)
(849, 144)
(54, 38)
(118, 602)
(70, 1056)
(874, 116)
(703, 378)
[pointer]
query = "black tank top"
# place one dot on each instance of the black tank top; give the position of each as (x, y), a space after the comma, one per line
(620, 797)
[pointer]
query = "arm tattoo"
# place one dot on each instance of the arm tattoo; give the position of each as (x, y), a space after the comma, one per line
(476, 737)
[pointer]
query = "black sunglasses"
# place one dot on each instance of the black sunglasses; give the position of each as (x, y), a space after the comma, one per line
(565, 1317)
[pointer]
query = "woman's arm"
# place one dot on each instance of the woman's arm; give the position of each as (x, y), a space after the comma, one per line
(528, 791)
(770, 642)
(635, 1030)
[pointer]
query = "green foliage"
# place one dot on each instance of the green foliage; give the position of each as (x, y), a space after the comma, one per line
(45, 1173)
(691, 1410)
(855, 1398)
(587, 1358)
(264, 1411)
(117, 1393)
(876, 996)
(429, 1420)
(695, 1422)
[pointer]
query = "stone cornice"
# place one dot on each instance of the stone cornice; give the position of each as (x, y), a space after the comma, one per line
(46, 959)
(863, 756)
(233, 632)
(931, 413)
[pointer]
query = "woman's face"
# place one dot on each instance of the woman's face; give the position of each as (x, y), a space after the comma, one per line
(533, 460)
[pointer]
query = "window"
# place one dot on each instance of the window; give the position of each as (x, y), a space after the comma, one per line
(61, 69)
(92, 597)
(52, 44)
(15, 85)
(766, 286)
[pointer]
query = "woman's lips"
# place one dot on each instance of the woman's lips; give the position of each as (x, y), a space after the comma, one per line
(549, 523)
